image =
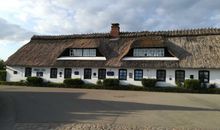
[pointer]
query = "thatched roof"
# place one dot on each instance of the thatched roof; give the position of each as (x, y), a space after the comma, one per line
(198, 48)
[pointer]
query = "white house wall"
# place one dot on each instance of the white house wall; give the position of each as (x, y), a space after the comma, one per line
(15, 77)
(147, 73)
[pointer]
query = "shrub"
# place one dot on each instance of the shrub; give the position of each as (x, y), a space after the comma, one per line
(111, 83)
(179, 84)
(52, 84)
(203, 85)
(73, 82)
(192, 84)
(91, 86)
(13, 83)
(2, 65)
(149, 82)
(99, 82)
(35, 81)
(2, 75)
(212, 85)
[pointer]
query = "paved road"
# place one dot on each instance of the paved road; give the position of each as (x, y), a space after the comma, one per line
(23, 108)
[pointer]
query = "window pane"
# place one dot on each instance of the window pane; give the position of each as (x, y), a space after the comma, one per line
(87, 73)
(82, 52)
(28, 72)
(122, 74)
(161, 75)
(53, 73)
(76, 52)
(92, 52)
(86, 52)
(149, 52)
(204, 76)
(138, 74)
(101, 74)
(67, 73)
(180, 75)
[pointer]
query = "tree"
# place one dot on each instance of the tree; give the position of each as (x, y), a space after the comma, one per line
(2, 65)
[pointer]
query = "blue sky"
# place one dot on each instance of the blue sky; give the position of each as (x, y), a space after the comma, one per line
(20, 19)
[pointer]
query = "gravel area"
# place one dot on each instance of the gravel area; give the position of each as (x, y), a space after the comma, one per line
(88, 126)
(34, 108)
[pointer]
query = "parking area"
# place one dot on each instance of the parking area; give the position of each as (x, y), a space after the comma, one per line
(63, 108)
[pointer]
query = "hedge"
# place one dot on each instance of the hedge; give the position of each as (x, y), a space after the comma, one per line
(2, 75)
(149, 82)
(73, 82)
(99, 82)
(192, 84)
(13, 83)
(35, 81)
(111, 83)
(76, 83)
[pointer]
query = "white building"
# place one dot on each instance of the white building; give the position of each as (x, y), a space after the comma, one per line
(168, 56)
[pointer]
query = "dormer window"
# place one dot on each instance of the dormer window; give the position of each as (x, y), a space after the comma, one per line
(149, 52)
(82, 52)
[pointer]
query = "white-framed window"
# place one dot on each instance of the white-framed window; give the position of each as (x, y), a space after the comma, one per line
(122, 74)
(138, 74)
(149, 52)
(53, 73)
(204, 76)
(83, 52)
(161, 75)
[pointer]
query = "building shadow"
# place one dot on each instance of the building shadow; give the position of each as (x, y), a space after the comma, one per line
(59, 107)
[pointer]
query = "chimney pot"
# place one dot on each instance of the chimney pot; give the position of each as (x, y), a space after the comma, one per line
(115, 30)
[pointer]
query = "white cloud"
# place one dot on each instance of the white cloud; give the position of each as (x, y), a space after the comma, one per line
(85, 16)
(12, 32)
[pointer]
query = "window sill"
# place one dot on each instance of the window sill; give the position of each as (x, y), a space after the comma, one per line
(81, 58)
(151, 58)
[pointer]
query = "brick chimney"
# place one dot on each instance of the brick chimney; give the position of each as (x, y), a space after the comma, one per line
(115, 30)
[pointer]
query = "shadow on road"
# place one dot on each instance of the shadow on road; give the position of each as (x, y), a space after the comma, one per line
(44, 107)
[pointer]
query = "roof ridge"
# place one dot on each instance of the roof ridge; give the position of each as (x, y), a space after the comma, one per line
(175, 32)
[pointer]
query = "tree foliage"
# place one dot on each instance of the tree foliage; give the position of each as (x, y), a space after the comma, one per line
(2, 65)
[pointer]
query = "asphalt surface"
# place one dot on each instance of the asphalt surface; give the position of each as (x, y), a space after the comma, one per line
(31, 105)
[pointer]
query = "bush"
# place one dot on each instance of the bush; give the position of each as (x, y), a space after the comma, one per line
(52, 84)
(91, 86)
(213, 86)
(149, 82)
(35, 81)
(2, 75)
(99, 82)
(2, 65)
(73, 82)
(192, 84)
(179, 84)
(111, 83)
(13, 83)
